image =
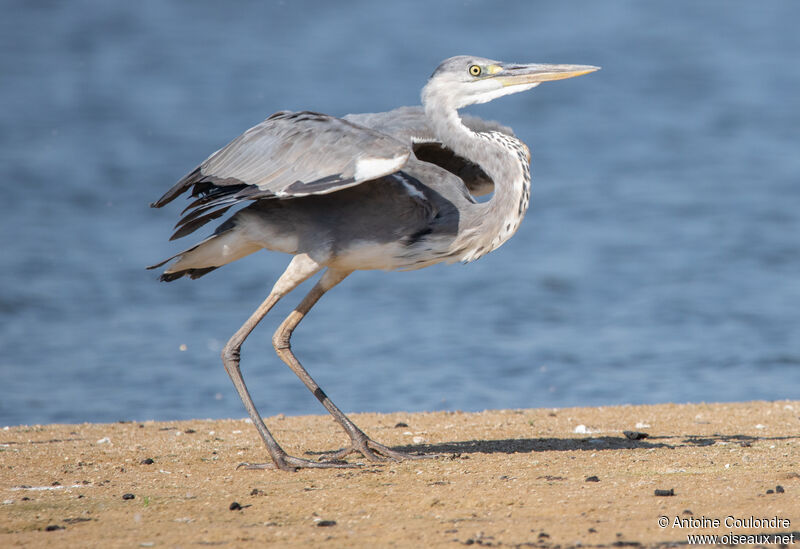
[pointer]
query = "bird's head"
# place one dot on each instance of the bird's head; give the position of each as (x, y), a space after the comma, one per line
(466, 80)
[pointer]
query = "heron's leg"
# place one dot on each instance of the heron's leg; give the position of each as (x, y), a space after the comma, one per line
(361, 443)
(300, 269)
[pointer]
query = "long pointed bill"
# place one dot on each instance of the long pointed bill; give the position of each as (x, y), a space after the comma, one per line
(515, 75)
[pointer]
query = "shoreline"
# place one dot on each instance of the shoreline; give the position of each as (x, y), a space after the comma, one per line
(516, 478)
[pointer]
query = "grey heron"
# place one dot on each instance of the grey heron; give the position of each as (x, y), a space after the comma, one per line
(391, 191)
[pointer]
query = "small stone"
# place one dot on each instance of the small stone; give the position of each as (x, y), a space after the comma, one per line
(235, 506)
(635, 435)
(326, 523)
(53, 527)
(128, 496)
(147, 461)
(779, 489)
(400, 424)
(593, 478)
(770, 491)
(670, 492)
(687, 512)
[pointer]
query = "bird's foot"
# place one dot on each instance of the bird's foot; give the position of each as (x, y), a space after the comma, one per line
(373, 451)
(291, 463)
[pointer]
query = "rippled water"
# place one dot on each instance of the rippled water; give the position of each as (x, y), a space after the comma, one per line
(659, 261)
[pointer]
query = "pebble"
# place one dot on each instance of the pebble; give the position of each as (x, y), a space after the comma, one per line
(670, 492)
(635, 435)
(400, 424)
(235, 506)
(128, 496)
(53, 527)
(779, 489)
(326, 523)
(593, 478)
(148, 461)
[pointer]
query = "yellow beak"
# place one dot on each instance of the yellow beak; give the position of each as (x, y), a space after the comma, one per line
(513, 75)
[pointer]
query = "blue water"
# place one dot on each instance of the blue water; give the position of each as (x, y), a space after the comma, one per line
(659, 261)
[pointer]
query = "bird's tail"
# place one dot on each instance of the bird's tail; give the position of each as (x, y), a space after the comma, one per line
(224, 246)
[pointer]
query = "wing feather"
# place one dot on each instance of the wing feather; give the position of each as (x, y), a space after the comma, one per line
(290, 154)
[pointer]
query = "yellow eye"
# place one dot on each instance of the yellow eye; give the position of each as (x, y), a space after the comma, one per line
(475, 70)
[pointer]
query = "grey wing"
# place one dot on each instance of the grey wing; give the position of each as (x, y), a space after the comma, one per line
(410, 125)
(290, 154)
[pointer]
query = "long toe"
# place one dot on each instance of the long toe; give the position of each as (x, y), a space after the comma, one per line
(373, 451)
(291, 463)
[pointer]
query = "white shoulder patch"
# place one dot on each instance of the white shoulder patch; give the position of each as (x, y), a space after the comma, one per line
(371, 167)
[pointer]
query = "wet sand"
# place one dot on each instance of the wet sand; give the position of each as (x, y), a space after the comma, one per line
(508, 478)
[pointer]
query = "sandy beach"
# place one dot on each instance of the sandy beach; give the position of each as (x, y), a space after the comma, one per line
(611, 476)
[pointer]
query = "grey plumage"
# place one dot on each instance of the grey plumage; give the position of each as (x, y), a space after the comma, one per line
(387, 191)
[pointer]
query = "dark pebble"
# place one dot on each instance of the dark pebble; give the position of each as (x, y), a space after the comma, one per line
(687, 512)
(53, 527)
(670, 492)
(592, 478)
(400, 424)
(190, 431)
(128, 496)
(326, 523)
(770, 491)
(148, 461)
(592, 531)
(256, 492)
(235, 506)
(779, 489)
(544, 535)
(635, 435)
